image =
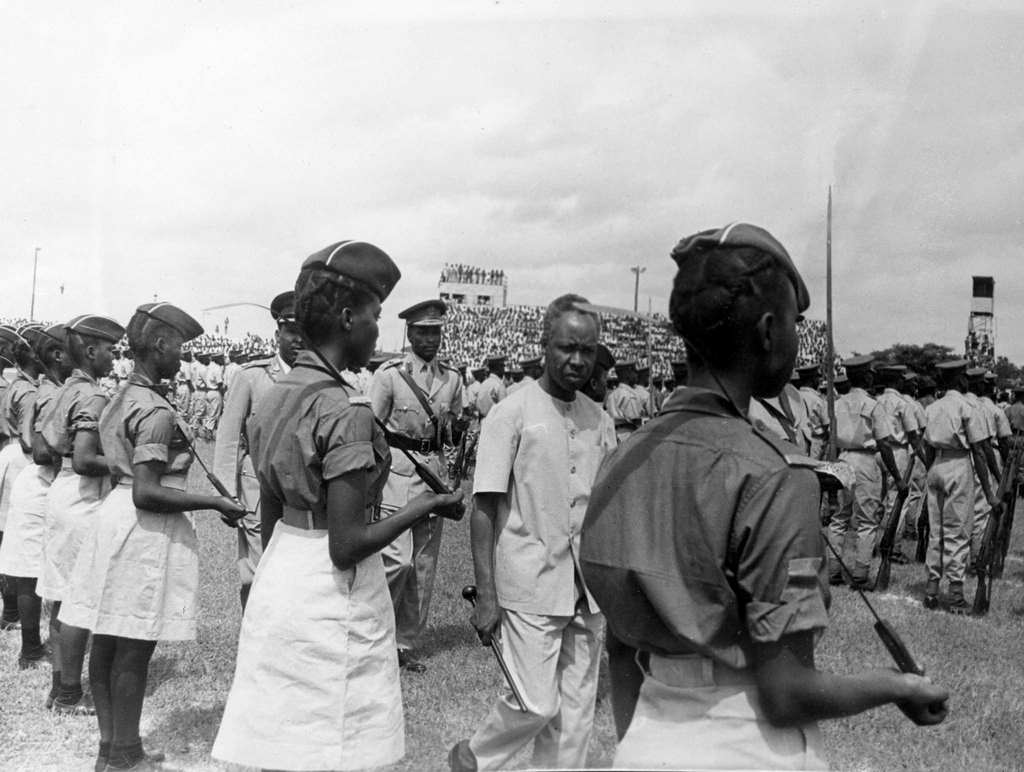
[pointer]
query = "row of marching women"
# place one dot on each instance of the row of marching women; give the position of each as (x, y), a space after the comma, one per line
(94, 520)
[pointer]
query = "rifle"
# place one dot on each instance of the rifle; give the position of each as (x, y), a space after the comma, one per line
(459, 467)
(887, 634)
(888, 542)
(923, 532)
(1006, 524)
(990, 548)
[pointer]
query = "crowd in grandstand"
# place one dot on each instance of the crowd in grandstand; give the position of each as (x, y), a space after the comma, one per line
(468, 274)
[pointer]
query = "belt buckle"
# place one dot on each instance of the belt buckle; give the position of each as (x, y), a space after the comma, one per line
(424, 446)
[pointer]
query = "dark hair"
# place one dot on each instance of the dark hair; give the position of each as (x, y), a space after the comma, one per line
(320, 297)
(143, 331)
(23, 354)
(718, 294)
(559, 307)
(77, 344)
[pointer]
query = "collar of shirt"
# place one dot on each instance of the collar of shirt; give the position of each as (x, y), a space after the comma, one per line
(81, 375)
(139, 379)
(282, 364)
(422, 365)
(698, 400)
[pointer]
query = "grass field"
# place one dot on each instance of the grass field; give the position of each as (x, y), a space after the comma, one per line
(980, 660)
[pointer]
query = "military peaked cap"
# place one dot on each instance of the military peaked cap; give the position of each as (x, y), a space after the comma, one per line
(806, 371)
(428, 313)
(94, 326)
(360, 262)
(858, 362)
(496, 360)
(952, 365)
(976, 373)
(173, 317)
(282, 307)
(744, 235)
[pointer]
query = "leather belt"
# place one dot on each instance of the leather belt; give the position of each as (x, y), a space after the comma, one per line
(400, 441)
(692, 671)
(951, 452)
(303, 519)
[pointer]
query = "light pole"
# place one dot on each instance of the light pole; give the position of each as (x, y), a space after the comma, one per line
(32, 305)
(636, 285)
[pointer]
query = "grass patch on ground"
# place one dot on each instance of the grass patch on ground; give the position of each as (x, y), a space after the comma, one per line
(980, 660)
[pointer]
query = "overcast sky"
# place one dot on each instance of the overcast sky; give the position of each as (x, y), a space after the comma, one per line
(200, 150)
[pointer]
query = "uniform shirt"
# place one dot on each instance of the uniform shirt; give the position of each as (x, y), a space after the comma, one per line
(644, 397)
(214, 376)
(953, 423)
(139, 426)
(307, 431)
(999, 424)
(198, 375)
(860, 421)
(543, 454)
(231, 453)
(817, 411)
(231, 369)
(184, 375)
(785, 416)
(988, 426)
(918, 410)
(729, 550)
(1015, 414)
(17, 400)
(33, 418)
(623, 404)
(492, 391)
(76, 408)
(901, 418)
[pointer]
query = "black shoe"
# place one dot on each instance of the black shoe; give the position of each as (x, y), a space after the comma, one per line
(461, 758)
(958, 607)
(408, 663)
(931, 602)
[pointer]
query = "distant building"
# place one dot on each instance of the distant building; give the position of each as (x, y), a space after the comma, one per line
(470, 285)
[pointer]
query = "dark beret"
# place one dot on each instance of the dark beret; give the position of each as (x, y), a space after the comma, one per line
(361, 262)
(173, 317)
(95, 326)
(744, 235)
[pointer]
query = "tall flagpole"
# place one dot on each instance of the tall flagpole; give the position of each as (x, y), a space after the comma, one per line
(830, 345)
(32, 306)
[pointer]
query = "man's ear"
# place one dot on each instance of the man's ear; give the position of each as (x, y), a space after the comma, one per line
(765, 331)
(345, 319)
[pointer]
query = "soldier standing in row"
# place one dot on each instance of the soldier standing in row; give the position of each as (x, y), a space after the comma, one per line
(183, 386)
(214, 395)
(955, 435)
(418, 398)
(199, 363)
(808, 380)
(623, 403)
(492, 390)
(232, 462)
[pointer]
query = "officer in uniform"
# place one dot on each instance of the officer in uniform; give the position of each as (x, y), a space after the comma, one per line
(862, 430)
(976, 387)
(418, 398)
(214, 394)
(623, 403)
(183, 385)
(597, 386)
(472, 392)
(200, 361)
(997, 416)
(915, 498)
(905, 427)
(808, 379)
(232, 462)
(954, 435)
(492, 390)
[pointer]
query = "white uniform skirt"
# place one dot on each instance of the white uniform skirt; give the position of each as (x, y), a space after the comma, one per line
(138, 576)
(316, 680)
(12, 461)
(71, 513)
(21, 554)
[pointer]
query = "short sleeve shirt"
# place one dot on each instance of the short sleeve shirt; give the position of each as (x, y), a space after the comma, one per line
(544, 454)
(18, 399)
(999, 424)
(139, 426)
(953, 423)
(77, 407)
(901, 417)
(728, 551)
(309, 429)
(860, 422)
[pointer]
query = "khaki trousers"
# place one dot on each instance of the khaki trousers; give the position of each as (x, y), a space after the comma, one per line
(410, 563)
(950, 509)
(860, 510)
(554, 661)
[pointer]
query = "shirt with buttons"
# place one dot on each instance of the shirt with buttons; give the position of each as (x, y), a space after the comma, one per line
(543, 454)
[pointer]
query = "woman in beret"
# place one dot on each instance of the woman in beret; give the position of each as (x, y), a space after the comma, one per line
(316, 682)
(135, 582)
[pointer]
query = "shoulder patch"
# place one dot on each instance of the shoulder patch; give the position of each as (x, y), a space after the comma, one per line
(392, 363)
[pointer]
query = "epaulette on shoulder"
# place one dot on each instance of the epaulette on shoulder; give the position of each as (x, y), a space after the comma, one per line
(265, 362)
(446, 366)
(392, 363)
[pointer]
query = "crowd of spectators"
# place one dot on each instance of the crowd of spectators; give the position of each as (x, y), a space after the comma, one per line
(468, 274)
(472, 334)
